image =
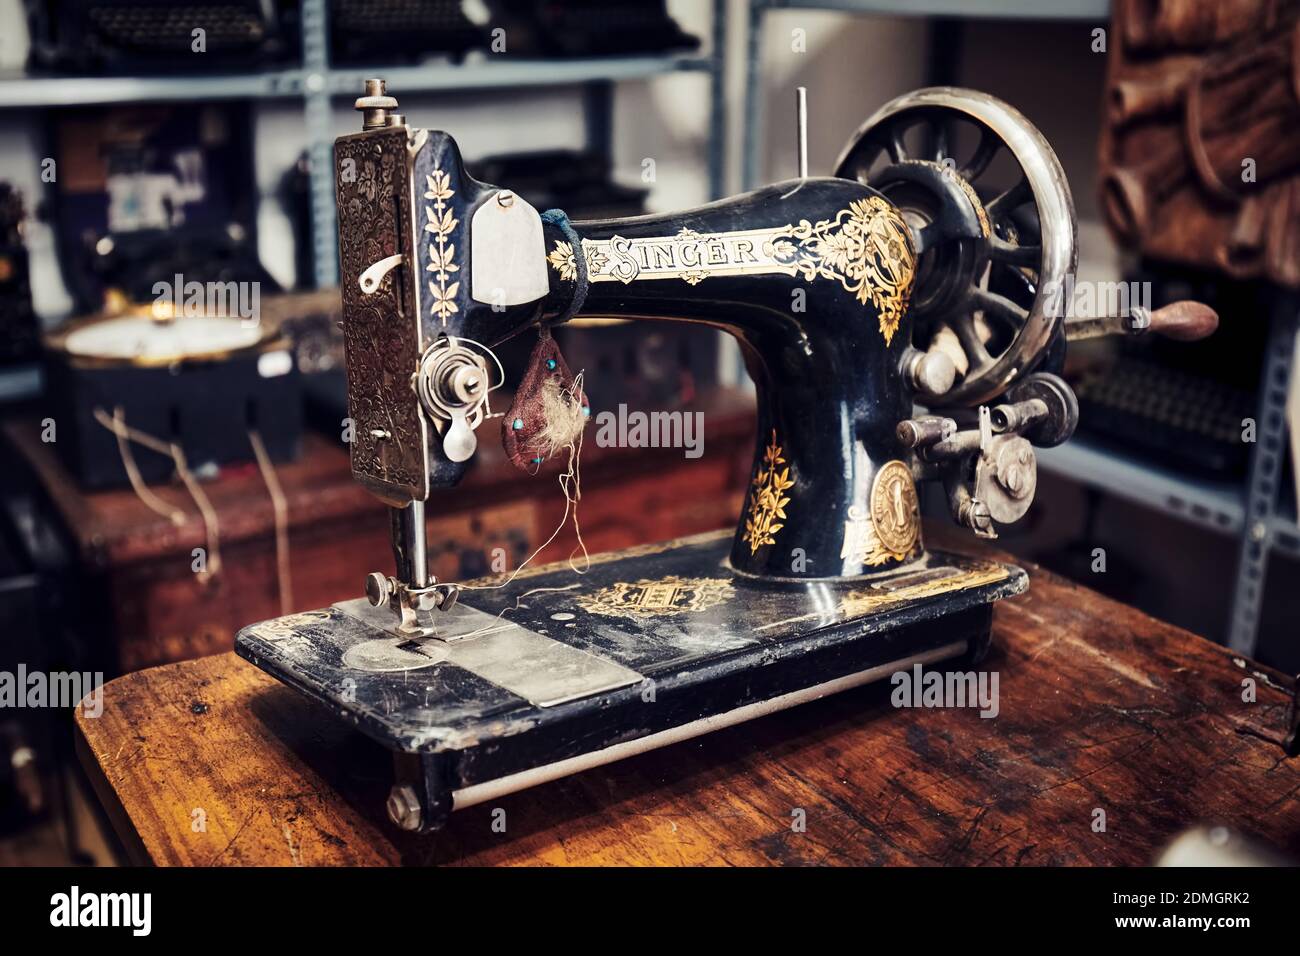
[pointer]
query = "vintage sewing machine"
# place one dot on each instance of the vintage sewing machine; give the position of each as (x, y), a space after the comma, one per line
(894, 283)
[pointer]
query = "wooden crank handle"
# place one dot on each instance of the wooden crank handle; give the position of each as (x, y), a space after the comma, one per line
(1184, 321)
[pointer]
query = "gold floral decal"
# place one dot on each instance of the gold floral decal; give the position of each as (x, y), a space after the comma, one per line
(564, 262)
(865, 600)
(974, 200)
(289, 626)
(866, 248)
(596, 260)
(656, 597)
(768, 500)
(442, 253)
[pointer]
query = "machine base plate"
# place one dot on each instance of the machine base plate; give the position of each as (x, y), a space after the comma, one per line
(648, 641)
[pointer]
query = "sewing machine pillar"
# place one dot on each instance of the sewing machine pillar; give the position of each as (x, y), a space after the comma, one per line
(812, 277)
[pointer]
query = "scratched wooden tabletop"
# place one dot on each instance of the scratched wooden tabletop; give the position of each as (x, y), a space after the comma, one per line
(210, 762)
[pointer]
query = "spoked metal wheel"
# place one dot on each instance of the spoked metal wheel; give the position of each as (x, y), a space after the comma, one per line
(991, 214)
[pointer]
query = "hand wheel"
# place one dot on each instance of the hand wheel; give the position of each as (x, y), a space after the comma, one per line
(989, 254)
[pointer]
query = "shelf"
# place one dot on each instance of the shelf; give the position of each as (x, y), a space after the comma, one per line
(19, 91)
(499, 73)
(1218, 506)
(1096, 10)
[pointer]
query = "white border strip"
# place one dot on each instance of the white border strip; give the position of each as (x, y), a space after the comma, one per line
(492, 789)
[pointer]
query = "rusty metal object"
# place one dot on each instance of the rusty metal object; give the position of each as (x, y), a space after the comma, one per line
(1130, 195)
(1244, 108)
(389, 447)
(1201, 145)
(1164, 25)
(1131, 100)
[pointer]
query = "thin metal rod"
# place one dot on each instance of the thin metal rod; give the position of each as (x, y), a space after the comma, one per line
(801, 128)
(492, 789)
(416, 549)
(752, 127)
(1094, 327)
(718, 103)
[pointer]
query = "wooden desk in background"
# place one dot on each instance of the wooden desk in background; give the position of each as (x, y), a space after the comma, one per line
(1101, 707)
(135, 566)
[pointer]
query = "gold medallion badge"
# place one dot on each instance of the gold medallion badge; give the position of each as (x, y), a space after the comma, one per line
(654, 598)
(889, 527)
(895, 510)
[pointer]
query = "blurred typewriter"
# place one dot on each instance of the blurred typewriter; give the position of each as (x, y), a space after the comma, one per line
(132, 36)
(146, 192)
(158, 245)
(564, 179)
(18, 327)
(576, 28)
(362, 30)
(1181, 407)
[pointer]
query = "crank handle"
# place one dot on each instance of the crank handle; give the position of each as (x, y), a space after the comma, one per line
(1183, 321)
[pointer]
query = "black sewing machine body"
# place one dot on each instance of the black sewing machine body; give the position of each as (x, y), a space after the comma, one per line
(822, 335)
(481, 688)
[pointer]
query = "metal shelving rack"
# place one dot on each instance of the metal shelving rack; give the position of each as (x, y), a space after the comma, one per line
(317, 84)
(1262, 520)
(1249, 514)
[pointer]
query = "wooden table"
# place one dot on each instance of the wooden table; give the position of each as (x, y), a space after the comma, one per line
(1101, 708)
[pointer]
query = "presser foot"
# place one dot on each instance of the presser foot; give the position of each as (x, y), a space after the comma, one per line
(410, 606)
(649, 648)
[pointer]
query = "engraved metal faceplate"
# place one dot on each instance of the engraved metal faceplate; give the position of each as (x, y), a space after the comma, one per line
(381, 328)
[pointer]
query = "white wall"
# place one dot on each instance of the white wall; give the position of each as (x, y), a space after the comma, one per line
(850, 65)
